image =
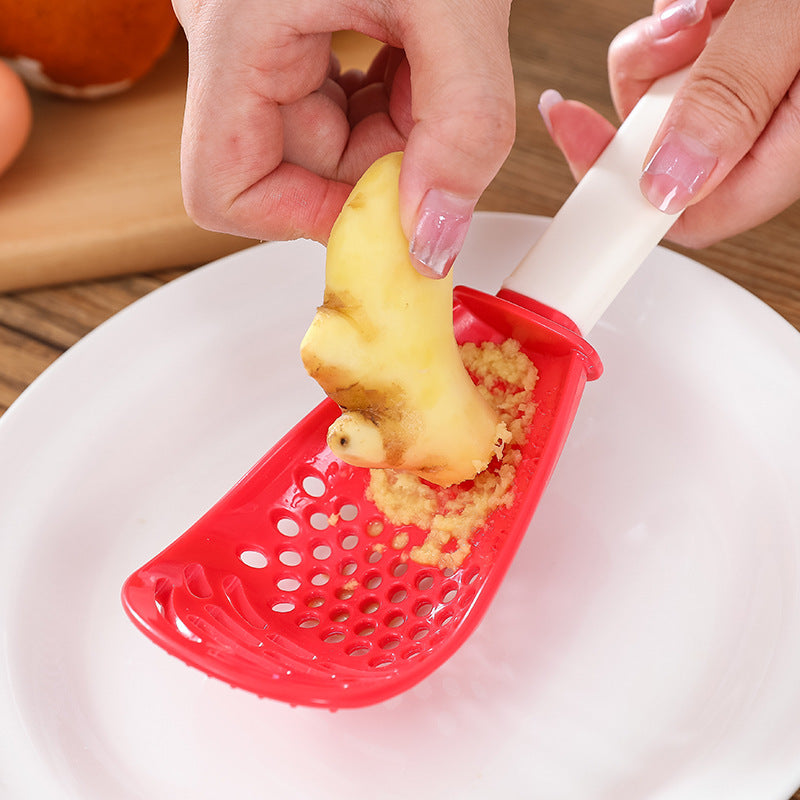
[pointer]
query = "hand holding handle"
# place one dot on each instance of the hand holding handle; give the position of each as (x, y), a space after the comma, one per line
(606, 228)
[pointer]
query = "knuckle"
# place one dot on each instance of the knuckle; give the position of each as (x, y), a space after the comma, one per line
(732, 96)
(485, 133)
(203, 208)
(195, 205)
(791, 105)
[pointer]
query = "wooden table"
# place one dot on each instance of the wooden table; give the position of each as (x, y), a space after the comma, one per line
(555, 44)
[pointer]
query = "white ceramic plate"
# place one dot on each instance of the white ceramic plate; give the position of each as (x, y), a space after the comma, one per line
(646, 643)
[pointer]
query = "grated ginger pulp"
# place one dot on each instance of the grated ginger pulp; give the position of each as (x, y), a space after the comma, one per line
(506, 377)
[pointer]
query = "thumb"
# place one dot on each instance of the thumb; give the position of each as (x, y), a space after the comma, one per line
(462, 95)
(726, 102)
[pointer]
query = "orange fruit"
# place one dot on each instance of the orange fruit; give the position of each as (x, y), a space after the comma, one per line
(85, 47)
(15, 116)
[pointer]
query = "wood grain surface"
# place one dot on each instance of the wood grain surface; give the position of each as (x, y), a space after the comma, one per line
(96, 192)
(554, 44)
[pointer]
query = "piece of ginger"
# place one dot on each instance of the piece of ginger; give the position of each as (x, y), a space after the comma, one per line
(382, 347)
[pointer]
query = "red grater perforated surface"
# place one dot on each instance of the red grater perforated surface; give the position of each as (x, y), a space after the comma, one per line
(290, 586)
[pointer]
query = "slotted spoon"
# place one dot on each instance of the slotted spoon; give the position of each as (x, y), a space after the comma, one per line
(289, 587)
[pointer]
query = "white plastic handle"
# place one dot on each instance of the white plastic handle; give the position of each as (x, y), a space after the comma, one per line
(606, 228)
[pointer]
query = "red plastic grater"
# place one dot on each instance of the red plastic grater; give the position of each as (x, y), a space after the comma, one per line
(282, 588)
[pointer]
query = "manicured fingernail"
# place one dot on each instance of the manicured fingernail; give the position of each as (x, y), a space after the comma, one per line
(676, 172)
(441, 228)
(549, 99)
(679, 15)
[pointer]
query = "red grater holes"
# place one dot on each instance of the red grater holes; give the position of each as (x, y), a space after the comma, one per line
(419, 632)
(318, 520)
(423, 608)
(348, 541)
(424, 581)
(372, 580)
(307, 621)
(348, 512)
(389, 642)
(449, 592)
(290, 558)
(286, 525)
(196, 582)
(333, 637)
(313, 485)
(358, 649)
(340, 614)
(369, 606)
(348, 568)
(319, 578)
(374, 556)
(365, 628)
(283, 606)
(394, 619)
(445, 617)
(399, 568)
(321, 550)
(288, 584)
(252, 557)
(467, 596)
(398, 593)
(345, 592)
(471, 576)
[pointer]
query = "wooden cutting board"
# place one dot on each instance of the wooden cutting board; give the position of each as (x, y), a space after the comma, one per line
(96, 191)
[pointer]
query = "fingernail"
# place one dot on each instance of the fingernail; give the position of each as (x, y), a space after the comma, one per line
(442, 223)
(676, 172)
(679, 15)
(549, 99)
